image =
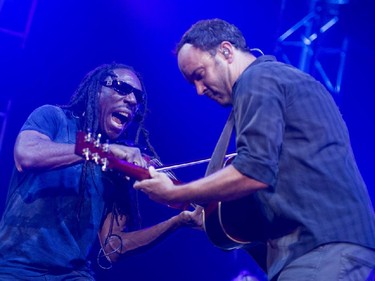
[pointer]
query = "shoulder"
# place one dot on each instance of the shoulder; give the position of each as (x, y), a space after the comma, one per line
(264, 66)
(268, 68)
(45, 116)
(47, 109)
(265, 73)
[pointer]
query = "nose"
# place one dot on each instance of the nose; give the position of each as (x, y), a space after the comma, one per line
(200, 88)
(130, 98)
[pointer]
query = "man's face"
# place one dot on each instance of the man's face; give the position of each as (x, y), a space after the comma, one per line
(116, 110)
(209, 74)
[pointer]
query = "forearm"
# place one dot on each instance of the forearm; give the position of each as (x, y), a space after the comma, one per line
(34, 150)
(119, 242)
(224, 185)
(145, 237)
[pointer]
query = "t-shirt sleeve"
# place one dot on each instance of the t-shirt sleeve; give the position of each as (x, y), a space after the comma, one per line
(45, 119)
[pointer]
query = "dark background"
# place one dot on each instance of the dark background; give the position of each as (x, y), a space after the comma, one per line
(69, 38)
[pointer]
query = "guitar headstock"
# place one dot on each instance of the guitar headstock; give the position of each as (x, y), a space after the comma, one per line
(91, 148)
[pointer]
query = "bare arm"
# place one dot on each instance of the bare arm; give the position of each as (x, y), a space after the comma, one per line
(122, 242)
(34, 150)
(224, 185)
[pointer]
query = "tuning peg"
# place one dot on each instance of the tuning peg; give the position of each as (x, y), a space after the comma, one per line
(95, 156)
(88, 137)
(86, 153)
(97, 141)
(104, 162)
(105, 146)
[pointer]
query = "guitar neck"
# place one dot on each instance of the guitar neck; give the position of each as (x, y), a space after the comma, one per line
(129, 169)
(92, 150)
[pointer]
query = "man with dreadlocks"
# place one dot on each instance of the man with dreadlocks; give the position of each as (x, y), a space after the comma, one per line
(58, 203)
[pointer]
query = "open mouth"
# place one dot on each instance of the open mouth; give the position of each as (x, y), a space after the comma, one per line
(120, 118)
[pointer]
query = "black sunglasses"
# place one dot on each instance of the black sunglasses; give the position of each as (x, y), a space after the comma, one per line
(124, 89)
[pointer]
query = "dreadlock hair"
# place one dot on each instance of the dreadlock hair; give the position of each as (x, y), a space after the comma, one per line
(84, 103)
(207, 35)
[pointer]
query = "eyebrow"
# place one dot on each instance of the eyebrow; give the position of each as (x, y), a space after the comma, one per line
(193, 74)
(185, 76)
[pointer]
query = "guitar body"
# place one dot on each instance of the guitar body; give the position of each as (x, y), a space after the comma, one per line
(234, 224)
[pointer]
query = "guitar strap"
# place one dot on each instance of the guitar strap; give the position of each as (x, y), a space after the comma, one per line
(217, 159)
(256, 250)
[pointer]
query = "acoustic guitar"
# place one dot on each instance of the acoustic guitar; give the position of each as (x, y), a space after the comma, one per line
(234, 224)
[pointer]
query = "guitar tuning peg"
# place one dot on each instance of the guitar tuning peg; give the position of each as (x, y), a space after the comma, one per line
(104, 162)
(97, 141)
(95, 156)
(105, 147)
(88, 137)
(86, 153)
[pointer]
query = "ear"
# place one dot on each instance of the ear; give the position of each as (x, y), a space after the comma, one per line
(226, 49)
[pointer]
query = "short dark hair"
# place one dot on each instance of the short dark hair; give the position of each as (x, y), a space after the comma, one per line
(207, 35)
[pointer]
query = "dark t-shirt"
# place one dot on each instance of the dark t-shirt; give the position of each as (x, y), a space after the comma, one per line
(48, 225)
(291, 136)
